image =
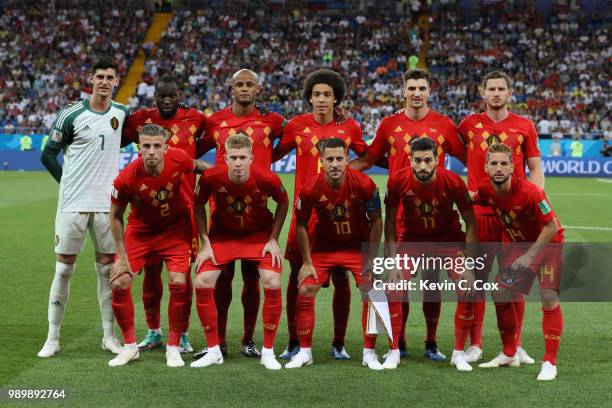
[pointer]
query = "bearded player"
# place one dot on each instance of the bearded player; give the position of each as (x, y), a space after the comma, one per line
(526, 216)
(427, 195)
(393, 138)
(262, 128)
(347, 208)
(187, 129)
(479, 132)
(242, 228)
(159, 225)
(324, 90)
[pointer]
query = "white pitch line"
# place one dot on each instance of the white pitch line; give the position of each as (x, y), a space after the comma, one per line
(603, 180)
(579, 227)
(581, 194)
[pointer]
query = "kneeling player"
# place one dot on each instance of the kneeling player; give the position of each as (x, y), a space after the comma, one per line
(527, 217)
(242, 228)
(427, 195)
(347, 208)
(158, 225)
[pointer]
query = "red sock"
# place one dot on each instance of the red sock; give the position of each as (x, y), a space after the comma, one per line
(189, 301)
(123, 308)
(431, 311)
(223, 298)
(402, 335)
(270, 315)
(464, 316)
(476, 329)
(369, 340)
(341, 305)
(177, 312)
(291, 301)
(506, 323)
(207, 311)
(395, 310)
(305, 319)
(552, 327)
(152, 292)
(519, 311)
(250, 299)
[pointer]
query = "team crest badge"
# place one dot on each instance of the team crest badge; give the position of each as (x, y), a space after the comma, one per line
(508, 276)
(426, 208)
(507, 219)
(162, 194)
(114, 122)
(338, 211)
(493, 140)
(238, 205)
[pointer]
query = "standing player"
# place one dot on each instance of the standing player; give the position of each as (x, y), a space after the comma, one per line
(393, 138)
(347, 208)
(242, 228)
(187, 128)
(480, 131)
(159, 225)
(262, 129)
(89, 133)
(427, 196)
(325, 90)
(525, 213)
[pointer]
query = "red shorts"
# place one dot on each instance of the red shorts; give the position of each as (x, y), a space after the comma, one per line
(547, 267)
(172, 245)
(230, 247)
(327, 262)
(153, 259)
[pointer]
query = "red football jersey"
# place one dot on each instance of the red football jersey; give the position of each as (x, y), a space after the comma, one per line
(240, 208)
(156, 202)
(395, 132)
(304, 132)
(479, 132)
(341, 218)
(187, 127)
(427, 211)
(263, 130)
(523, 211)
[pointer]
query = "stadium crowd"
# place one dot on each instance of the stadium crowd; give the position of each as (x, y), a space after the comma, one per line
(560, 63)
(46, 52)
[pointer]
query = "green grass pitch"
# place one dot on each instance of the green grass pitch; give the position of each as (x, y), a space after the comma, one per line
(26, 247)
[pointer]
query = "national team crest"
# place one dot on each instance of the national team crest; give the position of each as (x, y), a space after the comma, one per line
(238, 205)
(339, 211)
(114, 122)
(507, 219)
(162, 194)
(508, 276)
(426, 208)
(493, 140)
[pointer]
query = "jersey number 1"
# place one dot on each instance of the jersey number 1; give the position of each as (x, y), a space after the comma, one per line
(102, 147)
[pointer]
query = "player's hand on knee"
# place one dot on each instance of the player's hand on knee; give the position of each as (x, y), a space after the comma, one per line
(306, 271)
(522, 262)
(275, 252)
(121, 267)
(205, 254)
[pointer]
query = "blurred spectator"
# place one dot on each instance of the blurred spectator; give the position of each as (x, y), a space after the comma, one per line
(606, 148)
(25, 143)
(576, 147)
(556, 149)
